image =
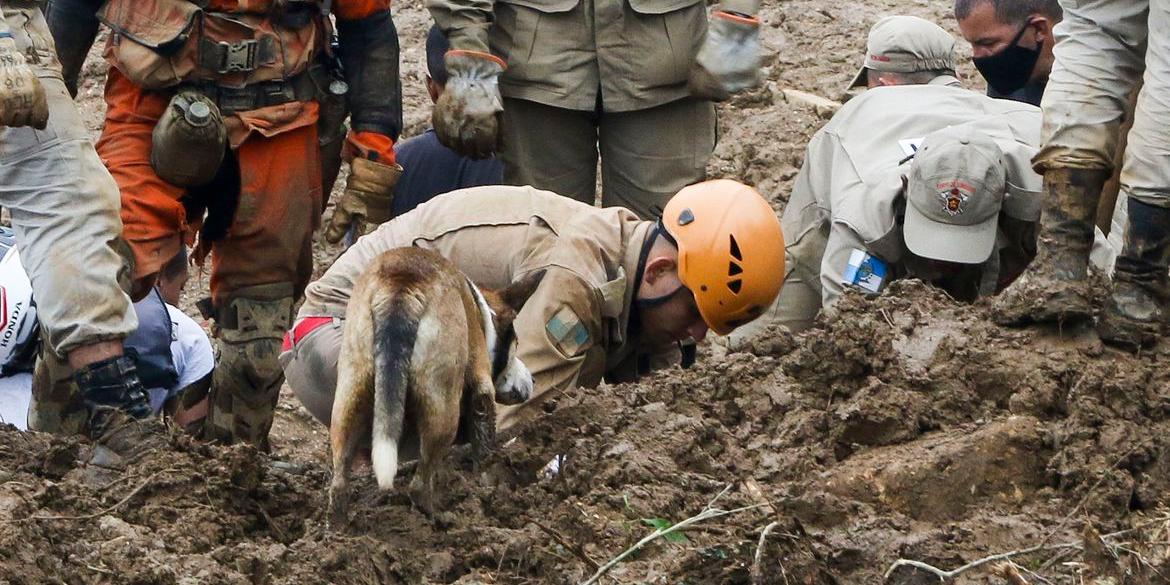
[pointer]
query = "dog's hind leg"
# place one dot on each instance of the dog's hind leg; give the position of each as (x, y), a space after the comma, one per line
(352, 405)
(438, 413)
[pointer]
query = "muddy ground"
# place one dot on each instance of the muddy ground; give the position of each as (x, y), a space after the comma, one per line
(906, 427)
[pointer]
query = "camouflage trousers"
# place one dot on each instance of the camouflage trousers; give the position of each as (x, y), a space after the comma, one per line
(246, 381)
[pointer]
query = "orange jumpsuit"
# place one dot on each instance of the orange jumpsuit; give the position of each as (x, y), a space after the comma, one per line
(280, 201)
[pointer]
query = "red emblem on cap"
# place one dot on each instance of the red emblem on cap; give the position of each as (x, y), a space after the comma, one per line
(953, 200)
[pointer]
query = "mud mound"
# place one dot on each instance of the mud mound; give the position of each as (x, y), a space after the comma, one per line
(904, 426)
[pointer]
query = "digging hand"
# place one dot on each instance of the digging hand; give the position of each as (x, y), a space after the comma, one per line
(729, 60)
(22, 97)
(365, 204)
(468, 116)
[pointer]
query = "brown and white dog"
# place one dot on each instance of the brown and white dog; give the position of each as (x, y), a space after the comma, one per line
(422, 348)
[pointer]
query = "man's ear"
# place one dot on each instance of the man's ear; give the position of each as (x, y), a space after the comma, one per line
(1043, 28)
(434, 89)
(657, 268)
(518, 292)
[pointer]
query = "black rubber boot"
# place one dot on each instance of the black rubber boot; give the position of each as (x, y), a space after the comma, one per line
(1134, 312)
(1055, 287)
(111, 391)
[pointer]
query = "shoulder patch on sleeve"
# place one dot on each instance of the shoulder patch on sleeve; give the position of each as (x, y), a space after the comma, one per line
(567, 332)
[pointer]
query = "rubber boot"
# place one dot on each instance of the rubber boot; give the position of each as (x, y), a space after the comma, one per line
(1055, 287)
(246, 381)
(1133, 315)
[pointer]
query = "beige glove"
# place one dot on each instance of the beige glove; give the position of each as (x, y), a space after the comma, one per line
(468, 116)
(729, 60)
(365, 204)
(22, 98)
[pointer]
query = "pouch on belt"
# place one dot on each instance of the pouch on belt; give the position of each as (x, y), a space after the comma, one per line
(189, 141)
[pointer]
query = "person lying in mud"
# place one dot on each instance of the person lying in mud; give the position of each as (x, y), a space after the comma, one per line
(916, 177)
(618, 293)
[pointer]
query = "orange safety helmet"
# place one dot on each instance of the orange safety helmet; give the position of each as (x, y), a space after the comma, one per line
(730, 250)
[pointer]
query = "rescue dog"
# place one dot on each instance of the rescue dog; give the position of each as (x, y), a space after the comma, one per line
(423, 347)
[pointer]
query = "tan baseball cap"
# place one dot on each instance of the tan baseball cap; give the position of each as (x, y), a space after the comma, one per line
(905, 44)
(954, 196)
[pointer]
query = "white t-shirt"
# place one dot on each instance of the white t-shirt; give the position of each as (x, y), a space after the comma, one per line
(190, 350)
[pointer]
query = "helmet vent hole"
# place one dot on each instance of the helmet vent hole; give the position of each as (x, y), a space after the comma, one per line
(735, 253)
(703, 288)
(733, 269)
(735, 285)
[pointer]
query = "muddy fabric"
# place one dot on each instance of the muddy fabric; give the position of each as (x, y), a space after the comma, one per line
(278, 186)
(849, 192)
(64, 206)
(1101, 50)
(575, 330)
(247, 377)
(646, 156)
(619, 55)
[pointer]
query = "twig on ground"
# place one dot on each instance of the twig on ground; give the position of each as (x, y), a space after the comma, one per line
(108, 509)
(576, 548)
(755, 573)
(944, 575)
(707, 514)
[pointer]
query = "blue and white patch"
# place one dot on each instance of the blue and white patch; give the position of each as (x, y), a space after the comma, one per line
(866, 271)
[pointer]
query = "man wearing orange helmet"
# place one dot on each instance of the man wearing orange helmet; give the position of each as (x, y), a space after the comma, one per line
(618, 294)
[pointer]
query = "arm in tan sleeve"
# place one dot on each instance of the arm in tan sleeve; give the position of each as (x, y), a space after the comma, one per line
(557, 333)
(465, 22)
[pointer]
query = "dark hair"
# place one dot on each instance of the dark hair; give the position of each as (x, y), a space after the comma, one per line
(437, 47)
(1012, 11)
(915, 77)
(176, 266)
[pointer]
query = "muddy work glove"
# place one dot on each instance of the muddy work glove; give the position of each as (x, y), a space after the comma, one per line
(468, 116)
(729, 60)
(22, 98)
(365, 204)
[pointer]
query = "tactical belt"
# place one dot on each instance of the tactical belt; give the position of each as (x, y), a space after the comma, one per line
(230, 100)
(241, 56)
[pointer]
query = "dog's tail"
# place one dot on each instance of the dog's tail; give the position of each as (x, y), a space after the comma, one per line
(394, 338)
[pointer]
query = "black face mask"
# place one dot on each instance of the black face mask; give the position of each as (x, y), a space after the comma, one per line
(1011, 68)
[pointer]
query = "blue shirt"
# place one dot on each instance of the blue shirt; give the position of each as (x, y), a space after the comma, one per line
(430, 169)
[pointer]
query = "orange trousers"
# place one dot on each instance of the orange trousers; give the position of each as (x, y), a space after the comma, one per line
(269, 238)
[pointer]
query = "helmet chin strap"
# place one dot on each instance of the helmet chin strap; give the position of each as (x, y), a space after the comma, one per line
(660, 300)
(657, 230)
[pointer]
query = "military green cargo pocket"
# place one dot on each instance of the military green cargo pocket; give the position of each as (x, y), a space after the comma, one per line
(537, 39)
(668, 34)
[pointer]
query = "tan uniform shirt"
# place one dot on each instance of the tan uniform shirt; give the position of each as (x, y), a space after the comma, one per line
(623, 55)
(575, 328)
(849, 195)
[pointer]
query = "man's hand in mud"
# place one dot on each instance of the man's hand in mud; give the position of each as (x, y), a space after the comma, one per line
(729, 60)
(22, 98)
(468, 116)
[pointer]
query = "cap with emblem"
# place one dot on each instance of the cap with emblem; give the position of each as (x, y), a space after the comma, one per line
(954, 196)
(906, 44)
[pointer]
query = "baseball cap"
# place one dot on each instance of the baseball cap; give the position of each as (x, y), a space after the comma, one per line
(954, 195)
(905, 44)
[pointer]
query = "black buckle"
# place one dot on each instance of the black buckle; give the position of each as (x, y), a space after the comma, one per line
(227, 57)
